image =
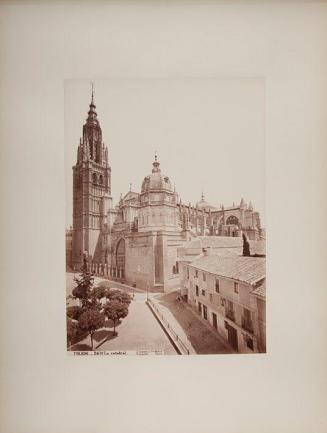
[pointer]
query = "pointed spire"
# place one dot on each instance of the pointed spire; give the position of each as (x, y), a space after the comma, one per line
(92, 114)
(92, 100)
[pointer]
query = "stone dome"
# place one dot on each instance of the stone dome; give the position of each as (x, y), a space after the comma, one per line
(202, 204)
(156, 180)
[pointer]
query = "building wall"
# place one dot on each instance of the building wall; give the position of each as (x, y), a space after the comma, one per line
(139, 268)
(217, 303)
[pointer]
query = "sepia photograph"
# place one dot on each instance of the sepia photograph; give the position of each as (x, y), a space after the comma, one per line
(165, 246)
(163, 251)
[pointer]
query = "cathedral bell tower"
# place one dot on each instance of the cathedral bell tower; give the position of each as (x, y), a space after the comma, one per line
(91, 192)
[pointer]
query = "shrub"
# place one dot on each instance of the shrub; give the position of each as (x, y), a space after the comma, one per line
(90, 321)
(115, 310)
(74, 312)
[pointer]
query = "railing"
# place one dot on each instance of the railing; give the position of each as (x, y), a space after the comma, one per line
(171, 331)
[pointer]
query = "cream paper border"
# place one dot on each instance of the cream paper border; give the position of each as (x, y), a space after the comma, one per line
(44, 390)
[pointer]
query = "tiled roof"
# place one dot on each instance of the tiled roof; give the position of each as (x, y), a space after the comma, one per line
(245, 269)
(260, 291)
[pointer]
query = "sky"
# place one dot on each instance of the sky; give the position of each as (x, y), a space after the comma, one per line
(208, 134)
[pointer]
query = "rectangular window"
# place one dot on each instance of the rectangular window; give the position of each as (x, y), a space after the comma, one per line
(204, 276)
(249, 343)
(246, 320)
(197, 290)
(217, 286)
(196, 273)
(188, 273)
(203, 292)
(222, 302)
(247, 314)
(205, 312)
(235, 287)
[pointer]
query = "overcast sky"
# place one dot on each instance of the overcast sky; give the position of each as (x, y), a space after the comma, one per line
(209, 135)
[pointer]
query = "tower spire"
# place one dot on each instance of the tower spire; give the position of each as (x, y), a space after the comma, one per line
(92, 99)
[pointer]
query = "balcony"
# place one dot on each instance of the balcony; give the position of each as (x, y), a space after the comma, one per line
(247, 325)
(230, 314)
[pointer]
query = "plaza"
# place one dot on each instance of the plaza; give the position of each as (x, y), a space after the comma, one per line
(141, 331)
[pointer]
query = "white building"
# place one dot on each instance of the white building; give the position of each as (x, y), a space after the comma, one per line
(229, 292)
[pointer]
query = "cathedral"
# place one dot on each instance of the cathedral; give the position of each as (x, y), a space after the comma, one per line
(136, 241)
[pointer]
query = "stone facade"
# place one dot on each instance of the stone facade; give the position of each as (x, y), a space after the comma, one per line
(91, 190)
(137, 240)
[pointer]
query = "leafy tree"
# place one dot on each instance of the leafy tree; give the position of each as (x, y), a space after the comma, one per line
(115, 310)
(74, 311)
(246, 246)
(72, 331)
(84, 287)
(99, 292)
(119, 295)
(104, 284)
(90, 321)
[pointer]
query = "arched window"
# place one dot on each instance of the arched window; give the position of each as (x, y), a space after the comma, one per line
(94, 178)
(120, 254)
(101, 179)
(232, 220)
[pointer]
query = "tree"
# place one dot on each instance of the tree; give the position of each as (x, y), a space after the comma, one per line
(115, 310)
(74, 311)
(99, 292)
(91, 320)
(246, 246)
(104, 284)
(119, 295)
(72, 331)
(84, 287)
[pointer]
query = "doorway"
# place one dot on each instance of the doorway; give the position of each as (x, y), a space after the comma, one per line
(214, 321)
(232, 337)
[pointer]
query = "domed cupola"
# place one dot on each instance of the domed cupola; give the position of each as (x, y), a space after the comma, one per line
(156, 181)
(204, 205)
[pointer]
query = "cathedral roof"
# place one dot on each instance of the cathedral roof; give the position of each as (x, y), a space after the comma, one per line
(202, 204)
(156, 180)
